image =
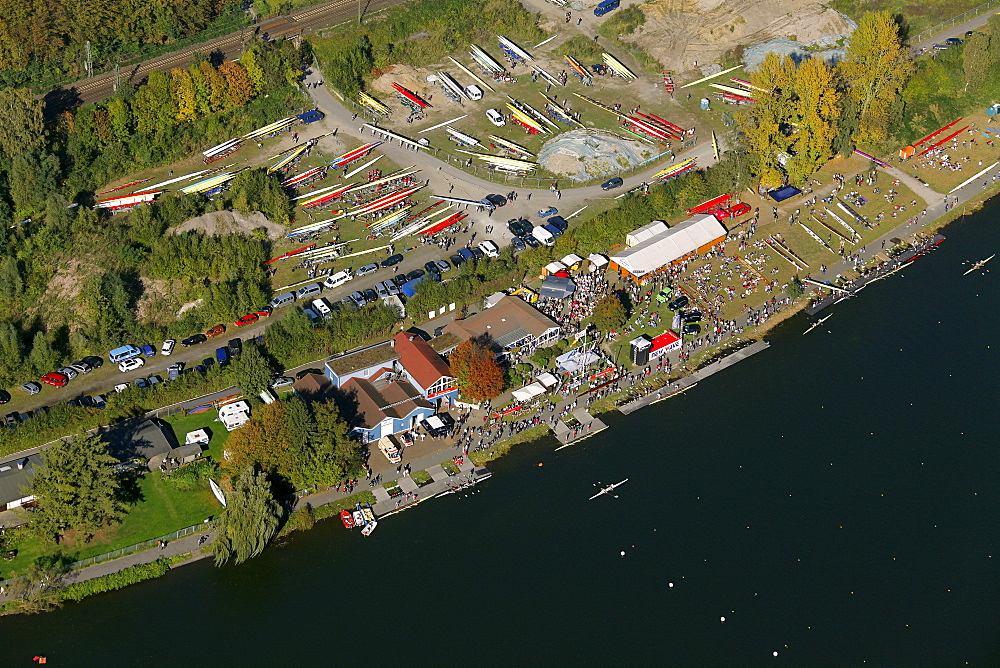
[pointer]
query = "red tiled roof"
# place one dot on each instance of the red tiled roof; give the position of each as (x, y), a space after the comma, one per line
(420, 360)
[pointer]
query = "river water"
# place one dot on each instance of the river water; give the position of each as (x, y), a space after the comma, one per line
(834, 498)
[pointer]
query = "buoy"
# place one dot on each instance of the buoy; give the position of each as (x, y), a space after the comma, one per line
(722, 619)
(541, 464)
(623, 553)
(671, 585)
(774, 654)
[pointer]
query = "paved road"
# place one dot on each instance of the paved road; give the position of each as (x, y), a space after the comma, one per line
(955, 31)
(303, 22)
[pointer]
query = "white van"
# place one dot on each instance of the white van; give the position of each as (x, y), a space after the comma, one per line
(496, 118)
(123, 353)
(338, 279)
(543, 235)
(474, 92)
(308, 290)
(321, 307)
(389, 448)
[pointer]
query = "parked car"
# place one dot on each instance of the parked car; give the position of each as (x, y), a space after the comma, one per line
(519, 226)
(442, 266)
(663, 295)
(94, 361)
(692, 316)
(174, 370)
(476, 253)
(55, 379)
(99, 401)
(4, 397)
(558, 222)
(545, 213)
(431, 267)
(248, 319)
(530, 241)
(320, 306)
(367, 269)
(612, 183)
(390, 261)
(81, 367)
(692, 328)
(11, 420)
(147, 351)
(381, 290)
(370, 296)
(121, 387)
(399, 279)
(281, 381)
(68, 372)
(131, 365)
(235, 347)
(416, 273)
(392, 288)
(490, 248)
(457, 260)
(216, 331)
(194, 340)
(517, 244)
(141, 383)
(31, 387)
(954, 41)
(153, 380)
(357, 299)
(496, 118)
(493, 200)
(678, 303)
(305, 372)
(168, 347)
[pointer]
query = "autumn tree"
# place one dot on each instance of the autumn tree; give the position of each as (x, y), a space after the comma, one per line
(876, 68)
(609, 313)
(239, 88)
(479, 375)
(818, 111)
(765, 125)
(261, 444)
(183, 91)
(76, 487)
(250, 521)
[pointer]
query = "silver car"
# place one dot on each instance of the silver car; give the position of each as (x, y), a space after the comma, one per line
(68, 372)
(382, 290)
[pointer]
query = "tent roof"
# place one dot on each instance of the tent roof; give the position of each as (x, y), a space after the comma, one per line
(598, 259)
(558, 287)
(547, 379)
(677, 242)
(554, 266)
(647, 231)
(571, 259)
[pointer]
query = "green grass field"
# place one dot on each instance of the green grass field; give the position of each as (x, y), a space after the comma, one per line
(161, 509)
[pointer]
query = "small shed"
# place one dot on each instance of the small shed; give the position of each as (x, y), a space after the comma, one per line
(528, 392)
(597, 261)
(553, 267)
(547, 379)
(572, 261)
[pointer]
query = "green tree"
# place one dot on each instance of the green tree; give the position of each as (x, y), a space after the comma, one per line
(609, 314)
(251, 371)
(479, 375)
(76, 487)
(331, 455)
(979, 56)
(35, 589)
(42, 357)
(154, 107)
(23, 129)
(11, 350)
(250, 521)
(876, 68)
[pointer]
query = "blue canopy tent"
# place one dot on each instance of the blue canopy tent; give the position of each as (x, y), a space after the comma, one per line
(781, 194)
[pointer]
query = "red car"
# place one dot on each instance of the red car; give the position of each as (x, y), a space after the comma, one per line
(215, 331)
(55, 379)
(264, 312)
(248, 319)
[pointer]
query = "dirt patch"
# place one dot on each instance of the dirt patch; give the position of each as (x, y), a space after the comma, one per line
(679, 33)
(586, 154)
(218, 223)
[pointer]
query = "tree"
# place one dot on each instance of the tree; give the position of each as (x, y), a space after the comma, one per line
(262, 444)
(35, 589)
(76, 487)
(22, 129)
(979, 56)
(42, 357)
(610, 314)
(183, 91)
(819, 110)
(251, 371)
(331, 454)
(239, 88)
(875, 69)
(250, 521)
(153, 104)
(479, 375)
(765, 125)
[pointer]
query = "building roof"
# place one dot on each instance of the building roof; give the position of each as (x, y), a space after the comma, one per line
(677, 242)
(363, 359)
(557, 287)
(647, 231)
(423, 364)
(14, 480)
(444, 343)
(397, 400)
(138, 437)
(511, 320)
(312, 386)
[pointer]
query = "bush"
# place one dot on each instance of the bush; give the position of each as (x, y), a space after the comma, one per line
(112, 581)
(193, 476)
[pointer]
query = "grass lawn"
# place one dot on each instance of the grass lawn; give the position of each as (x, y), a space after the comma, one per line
(161, 510)
(421, 477)
(967, 149)
(182, 424)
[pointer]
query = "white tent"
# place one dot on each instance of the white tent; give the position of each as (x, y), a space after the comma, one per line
(554, 266)
(547, 379)
(493, 299)
(597, 261)
(648, 231)
(677, 242)
(528, 392)
(572, 260)
(577, 359)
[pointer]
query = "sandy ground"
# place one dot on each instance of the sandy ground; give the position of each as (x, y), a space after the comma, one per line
(218, 223)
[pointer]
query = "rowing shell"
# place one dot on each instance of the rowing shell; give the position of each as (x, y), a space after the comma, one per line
(979, 264)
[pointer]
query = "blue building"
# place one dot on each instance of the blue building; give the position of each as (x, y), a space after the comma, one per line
(385, 408)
